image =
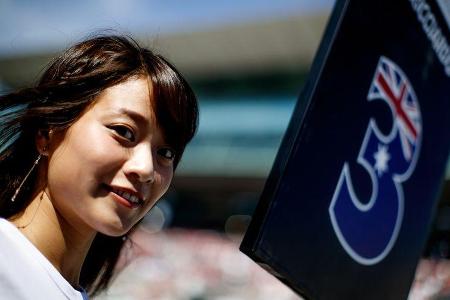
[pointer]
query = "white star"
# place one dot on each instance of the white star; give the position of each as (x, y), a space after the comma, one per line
(381, 159)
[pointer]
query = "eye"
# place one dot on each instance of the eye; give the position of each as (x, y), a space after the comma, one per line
(167, 153)
(124, 132)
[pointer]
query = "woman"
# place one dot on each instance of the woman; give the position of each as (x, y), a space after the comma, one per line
(84, 156)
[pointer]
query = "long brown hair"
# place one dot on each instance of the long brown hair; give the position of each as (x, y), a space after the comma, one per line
(68, 86)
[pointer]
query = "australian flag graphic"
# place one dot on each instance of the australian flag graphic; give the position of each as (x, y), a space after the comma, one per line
(367, 230)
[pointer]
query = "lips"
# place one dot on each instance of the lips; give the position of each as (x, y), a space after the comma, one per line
(127, 197)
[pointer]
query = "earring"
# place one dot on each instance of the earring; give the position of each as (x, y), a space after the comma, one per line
(26, 176)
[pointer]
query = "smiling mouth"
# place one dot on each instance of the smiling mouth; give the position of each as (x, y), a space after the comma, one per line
(126, 198)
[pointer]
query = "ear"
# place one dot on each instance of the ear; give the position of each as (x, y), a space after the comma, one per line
(43, 140)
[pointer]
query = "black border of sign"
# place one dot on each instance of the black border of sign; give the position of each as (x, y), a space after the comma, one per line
(250, 243)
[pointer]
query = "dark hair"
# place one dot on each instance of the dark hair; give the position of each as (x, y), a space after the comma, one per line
(69, 85)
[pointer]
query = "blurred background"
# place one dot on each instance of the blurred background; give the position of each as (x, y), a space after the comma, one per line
(247, 62)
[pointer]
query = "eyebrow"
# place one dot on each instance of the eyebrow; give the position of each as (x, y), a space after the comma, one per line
(134, 115)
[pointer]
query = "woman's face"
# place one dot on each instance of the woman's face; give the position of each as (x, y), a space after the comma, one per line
(111, 166)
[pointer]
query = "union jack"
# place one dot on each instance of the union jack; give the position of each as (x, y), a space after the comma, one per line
(391, 85)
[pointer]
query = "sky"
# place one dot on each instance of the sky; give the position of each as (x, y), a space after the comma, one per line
(30, 26)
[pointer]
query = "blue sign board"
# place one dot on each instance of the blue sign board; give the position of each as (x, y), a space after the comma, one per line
(346, 210)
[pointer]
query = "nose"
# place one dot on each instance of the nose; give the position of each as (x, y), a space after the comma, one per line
(140, 164)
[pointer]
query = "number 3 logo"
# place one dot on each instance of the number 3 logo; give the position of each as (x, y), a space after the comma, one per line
(368, 231)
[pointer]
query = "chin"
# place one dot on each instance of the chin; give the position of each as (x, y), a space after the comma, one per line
(115, 229)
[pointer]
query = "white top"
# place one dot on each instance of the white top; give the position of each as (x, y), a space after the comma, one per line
(25, 273)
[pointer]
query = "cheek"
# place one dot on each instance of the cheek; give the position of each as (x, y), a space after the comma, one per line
(160, 186)
(166, 179)
(81, 161)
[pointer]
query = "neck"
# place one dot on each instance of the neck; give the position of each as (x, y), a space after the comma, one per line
(41, 223)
